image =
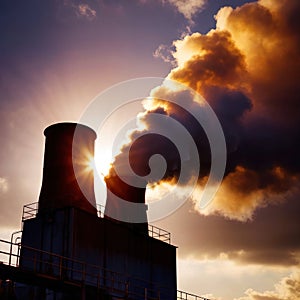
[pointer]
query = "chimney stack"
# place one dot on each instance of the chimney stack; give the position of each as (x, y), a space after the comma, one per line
(68, 178)
(126, 200)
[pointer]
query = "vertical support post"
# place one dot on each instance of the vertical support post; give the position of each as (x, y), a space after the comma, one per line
(60, 267)
(126, 289)
(83, 273)
(83, 277)
(145, 292)
(12, 242)
(18, 256)
(98, 286)
(34, 263)
(98, 281)
(10, 251)
(83, 292)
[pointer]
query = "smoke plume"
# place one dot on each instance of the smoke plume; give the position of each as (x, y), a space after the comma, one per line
(248, 70)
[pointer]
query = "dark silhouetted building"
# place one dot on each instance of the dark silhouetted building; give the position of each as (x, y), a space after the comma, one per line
(69, 250)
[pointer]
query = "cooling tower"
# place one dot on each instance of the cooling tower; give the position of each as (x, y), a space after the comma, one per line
(68, 179)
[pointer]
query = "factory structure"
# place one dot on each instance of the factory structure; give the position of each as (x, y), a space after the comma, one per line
(69, 248)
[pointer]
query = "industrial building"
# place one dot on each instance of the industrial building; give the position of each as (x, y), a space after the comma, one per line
(69, 249)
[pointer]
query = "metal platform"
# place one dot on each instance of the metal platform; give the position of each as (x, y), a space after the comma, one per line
(30, 211)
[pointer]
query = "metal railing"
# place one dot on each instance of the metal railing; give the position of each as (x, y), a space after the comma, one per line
(159, 233)
(54, 266)
(30, 211)
(100, 210)
(181, 295)
(78, 273)
(9, 253)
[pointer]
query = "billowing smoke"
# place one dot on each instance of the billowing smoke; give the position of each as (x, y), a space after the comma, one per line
(248, 70)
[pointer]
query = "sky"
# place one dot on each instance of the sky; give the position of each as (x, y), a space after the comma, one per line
(241, 56)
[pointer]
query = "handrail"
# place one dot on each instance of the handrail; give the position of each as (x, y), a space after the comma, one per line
(159, 233)
(60, 267)
(11, 241)
(63, 268)
(30, 211)
(55, 266)
(100, 210)
(181, 295)
(9, 253)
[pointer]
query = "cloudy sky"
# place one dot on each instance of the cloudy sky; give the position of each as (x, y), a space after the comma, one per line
(241, 56)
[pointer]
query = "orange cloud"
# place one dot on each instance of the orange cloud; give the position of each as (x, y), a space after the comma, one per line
(245, 190)
(80, 10)
(208, 60)
(84, 10)
(287, 289)
(187, 8)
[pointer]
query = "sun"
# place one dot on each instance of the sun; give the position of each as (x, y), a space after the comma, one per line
(102, 162)
(88, 162)
(96, 163)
